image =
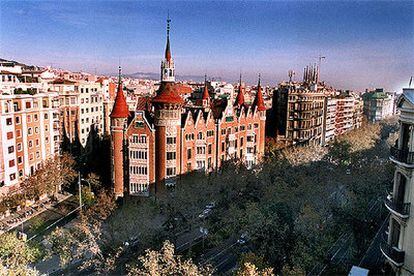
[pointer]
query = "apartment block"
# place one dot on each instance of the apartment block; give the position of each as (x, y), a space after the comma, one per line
(397, 245)
(81, 109)
(30, 134)
(378, 104)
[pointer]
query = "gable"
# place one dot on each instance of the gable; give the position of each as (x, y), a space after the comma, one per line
(140, 123)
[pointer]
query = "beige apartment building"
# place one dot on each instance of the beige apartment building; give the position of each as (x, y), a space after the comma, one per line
(29, 135)
(81, 109)
(398, 243)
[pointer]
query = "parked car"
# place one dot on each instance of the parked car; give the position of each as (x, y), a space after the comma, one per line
(243, 239)
(211, 205)
(205, 213)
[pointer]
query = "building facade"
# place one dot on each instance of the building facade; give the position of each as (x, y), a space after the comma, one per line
(343, 112)
(82, 109)
(153, 146)
(312, 113)
(30, 134)
(378, 104)
(298, 110)
(398, 243)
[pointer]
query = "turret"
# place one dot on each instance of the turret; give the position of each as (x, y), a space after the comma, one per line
(205, 100)
(240, 96)
(119, 117)
(167, 104)
(260, 107)
(167, 65)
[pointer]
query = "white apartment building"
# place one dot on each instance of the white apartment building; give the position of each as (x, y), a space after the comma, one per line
(398, 243)
(330, 116)
(90, 101)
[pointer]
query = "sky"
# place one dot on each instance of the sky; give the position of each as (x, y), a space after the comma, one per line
(367, 44)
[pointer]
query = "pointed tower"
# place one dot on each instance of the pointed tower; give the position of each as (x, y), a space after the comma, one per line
(240, 96)
(260, 107)
(119, 117)
(206, 96)
(167, 65)
(167, 104)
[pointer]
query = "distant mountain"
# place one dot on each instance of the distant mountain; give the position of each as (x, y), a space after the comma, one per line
(156, 76)
(144, 75)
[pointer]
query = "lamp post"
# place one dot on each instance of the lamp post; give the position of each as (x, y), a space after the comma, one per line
(80, 192)
(87, 181)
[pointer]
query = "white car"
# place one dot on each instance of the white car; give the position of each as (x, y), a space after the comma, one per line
(211, 205)
(243, 239)
(205, 213)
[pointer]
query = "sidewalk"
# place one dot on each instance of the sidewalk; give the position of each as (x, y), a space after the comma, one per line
(19, 217)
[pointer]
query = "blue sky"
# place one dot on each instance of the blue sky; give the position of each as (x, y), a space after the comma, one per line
(366, 43)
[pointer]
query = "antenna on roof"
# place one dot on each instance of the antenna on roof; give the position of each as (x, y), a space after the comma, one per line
(291, 73)
(168, 23)
(411, 81)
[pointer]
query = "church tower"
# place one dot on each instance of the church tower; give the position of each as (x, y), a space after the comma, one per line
(167, 105)
(119, 117)
(260, 107)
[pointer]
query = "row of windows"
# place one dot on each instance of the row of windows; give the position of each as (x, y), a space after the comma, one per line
(138, 154)
(93, 100)
(139, 139)
(9, 78)
(138, 170)
(201, 150)
(171, 155)
(234, 142)
(9, 121)
(171, 140)
(93, 120)
(171, 171)
(28, 104)
(20, 159)
(32, 171)
(139, 187)
(86, 90)
(86, 110)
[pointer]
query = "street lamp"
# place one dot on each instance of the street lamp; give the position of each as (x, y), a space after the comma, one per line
(89, 184)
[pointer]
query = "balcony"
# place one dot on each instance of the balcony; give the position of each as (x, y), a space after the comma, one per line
(393, 254)
(400, 209)
(403, 156)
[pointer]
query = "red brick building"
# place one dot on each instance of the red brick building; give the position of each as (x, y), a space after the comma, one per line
(167, 136)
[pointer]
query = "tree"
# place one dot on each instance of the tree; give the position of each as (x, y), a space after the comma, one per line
(165, 262)
(16, 255)
(51, 176)
(248, 269)
(85, 240)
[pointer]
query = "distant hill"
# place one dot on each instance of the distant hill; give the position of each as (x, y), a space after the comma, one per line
(156, 76)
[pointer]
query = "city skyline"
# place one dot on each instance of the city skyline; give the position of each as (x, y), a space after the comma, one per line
(366, 44)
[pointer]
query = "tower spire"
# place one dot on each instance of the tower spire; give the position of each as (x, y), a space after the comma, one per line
(167, 48)
(119, 75)
(240, 97)
(120, 109)
(206, 95)
(205, 100)
(258, 100)
(167, 65)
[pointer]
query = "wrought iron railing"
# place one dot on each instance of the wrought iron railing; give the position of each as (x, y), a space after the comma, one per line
(392, 253)
(402, 155)
(399, 207)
